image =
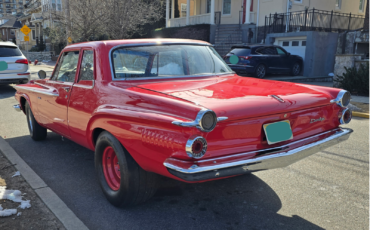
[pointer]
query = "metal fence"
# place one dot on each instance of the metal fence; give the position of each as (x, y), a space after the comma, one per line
(312, 20)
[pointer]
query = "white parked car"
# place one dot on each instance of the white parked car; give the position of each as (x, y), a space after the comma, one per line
(13, 65)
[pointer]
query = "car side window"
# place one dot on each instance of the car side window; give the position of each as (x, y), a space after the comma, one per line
(87, 66)
(267, 51)
(280, 51)
(67, 66)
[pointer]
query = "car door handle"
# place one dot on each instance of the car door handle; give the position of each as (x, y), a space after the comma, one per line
(66, 89)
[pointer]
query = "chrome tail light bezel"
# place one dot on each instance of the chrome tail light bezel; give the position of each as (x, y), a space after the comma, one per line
(343, 120)
(343, 94)
(190, 144)
(198, 121)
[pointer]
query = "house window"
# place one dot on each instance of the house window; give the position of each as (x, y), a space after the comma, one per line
(59, 5)
(295, 43)
(33, 34)
(285, 43)
(183, 10)
(297, 1)
(53, 5)
(362, 5)
(208, 6)
(303, 43)
(226, 7)
(338, 4)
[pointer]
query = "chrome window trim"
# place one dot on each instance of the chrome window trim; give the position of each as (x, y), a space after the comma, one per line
(198, 121)
(156, 44)
(84, 86)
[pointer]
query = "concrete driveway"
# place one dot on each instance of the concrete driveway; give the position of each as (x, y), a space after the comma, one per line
(328, 190)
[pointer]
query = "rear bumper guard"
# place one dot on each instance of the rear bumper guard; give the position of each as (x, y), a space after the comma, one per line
(223, 166)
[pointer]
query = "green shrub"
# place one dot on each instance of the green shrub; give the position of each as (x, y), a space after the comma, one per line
(34, 49)
(355, 80)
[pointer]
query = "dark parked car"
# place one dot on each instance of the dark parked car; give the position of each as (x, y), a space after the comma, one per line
(262, 59)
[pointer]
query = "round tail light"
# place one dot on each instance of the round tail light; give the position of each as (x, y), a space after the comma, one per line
(196, 147)
(343, 98)
(208, 121)
(346, 116)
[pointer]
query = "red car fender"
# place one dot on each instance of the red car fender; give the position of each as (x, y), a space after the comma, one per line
(149, 143)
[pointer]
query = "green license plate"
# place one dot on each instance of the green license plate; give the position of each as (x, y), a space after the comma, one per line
(278, 132)
(3, 66)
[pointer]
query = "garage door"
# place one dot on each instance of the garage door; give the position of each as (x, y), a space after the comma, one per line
(295, 47)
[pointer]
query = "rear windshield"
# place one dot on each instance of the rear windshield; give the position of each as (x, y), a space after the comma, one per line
(9, 51)
(240, 51)
(167, 61)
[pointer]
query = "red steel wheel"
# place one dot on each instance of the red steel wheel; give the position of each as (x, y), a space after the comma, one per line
(111, 168)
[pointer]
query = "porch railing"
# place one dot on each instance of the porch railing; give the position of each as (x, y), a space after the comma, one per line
(313, 20)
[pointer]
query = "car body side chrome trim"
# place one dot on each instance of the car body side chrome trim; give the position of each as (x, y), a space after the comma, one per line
(50, 92)
(276, 160)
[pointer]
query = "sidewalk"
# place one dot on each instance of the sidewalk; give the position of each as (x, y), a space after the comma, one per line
(35, 216)
(40, 207)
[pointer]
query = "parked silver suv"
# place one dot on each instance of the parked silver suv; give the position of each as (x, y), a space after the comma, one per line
(13, 65)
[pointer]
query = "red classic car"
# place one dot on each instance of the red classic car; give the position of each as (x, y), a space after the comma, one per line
(173, 107)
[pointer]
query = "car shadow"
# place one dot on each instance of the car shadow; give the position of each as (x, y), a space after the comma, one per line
(6, 91)
(242, 202)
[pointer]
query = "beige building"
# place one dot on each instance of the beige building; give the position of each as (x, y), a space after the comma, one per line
(235, 11)
(356, 7)
(38, 15)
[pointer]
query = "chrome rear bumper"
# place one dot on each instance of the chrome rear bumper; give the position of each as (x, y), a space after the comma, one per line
(235, 164)
(17, 108)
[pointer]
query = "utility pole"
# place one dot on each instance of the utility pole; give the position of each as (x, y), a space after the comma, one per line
(68, 21)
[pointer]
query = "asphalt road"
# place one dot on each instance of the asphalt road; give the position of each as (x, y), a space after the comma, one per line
(329, 190)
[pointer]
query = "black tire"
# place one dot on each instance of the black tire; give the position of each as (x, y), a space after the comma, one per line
(260, 71)
(296, 69)
(37, 132)
(136, 185)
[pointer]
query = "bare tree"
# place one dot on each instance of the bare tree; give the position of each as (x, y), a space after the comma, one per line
(125, 17)
(114, 19)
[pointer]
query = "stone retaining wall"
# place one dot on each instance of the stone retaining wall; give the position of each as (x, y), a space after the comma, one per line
(40, 56)
(344, 60)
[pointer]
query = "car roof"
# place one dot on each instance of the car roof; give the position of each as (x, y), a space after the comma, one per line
(253, 46)
(137, 42)
(7, 44)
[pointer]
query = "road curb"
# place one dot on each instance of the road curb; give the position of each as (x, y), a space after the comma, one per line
(359, 114)
(47, 195)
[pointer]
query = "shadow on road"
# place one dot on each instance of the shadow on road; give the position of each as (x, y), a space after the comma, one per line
(242, 202)
(6, 91)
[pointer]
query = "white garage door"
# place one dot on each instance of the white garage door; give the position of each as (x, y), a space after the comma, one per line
(294, 46)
